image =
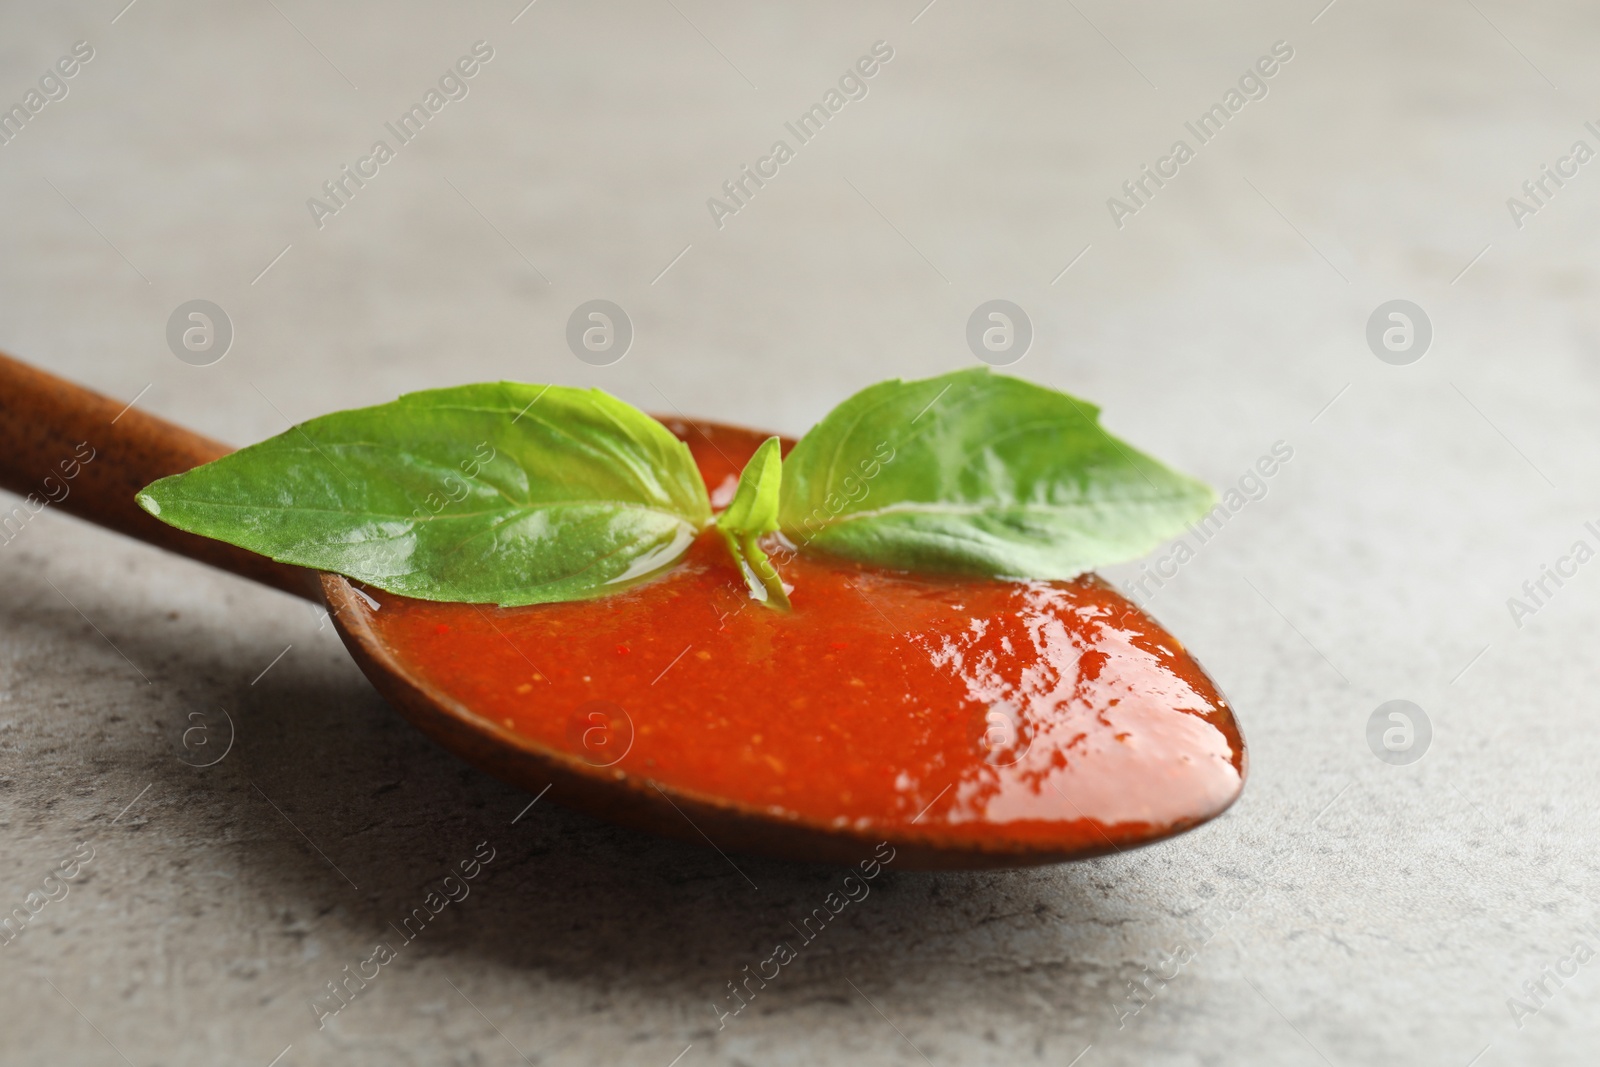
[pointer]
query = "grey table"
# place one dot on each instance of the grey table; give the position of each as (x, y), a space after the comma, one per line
(1348, 910)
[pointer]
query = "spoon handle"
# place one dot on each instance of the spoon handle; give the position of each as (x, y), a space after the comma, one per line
(87, 454)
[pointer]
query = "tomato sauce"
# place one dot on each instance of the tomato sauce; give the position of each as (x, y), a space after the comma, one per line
(1026, 715)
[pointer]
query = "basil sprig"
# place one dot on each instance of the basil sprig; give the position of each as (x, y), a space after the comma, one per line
(753, 513)
(501, 492)
(521, 494)
(979, 474)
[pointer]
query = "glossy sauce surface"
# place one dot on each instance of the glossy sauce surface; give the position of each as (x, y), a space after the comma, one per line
(1005, 714)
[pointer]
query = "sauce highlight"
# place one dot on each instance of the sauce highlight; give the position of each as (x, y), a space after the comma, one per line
(1000, 715)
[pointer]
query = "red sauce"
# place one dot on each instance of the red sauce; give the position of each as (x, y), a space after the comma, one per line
(1051, 714)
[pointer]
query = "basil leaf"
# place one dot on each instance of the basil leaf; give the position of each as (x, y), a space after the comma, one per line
(980, 474)
(752, 513)
(499, 492)
(754, 508)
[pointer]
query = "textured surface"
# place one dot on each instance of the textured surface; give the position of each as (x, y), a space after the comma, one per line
(1345, 911)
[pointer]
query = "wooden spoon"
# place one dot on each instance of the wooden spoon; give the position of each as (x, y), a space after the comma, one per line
(1131, 768)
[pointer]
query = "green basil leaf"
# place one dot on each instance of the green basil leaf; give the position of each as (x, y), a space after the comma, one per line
(754, 508)
(752, 513)
(980, 474)
(493, 493)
